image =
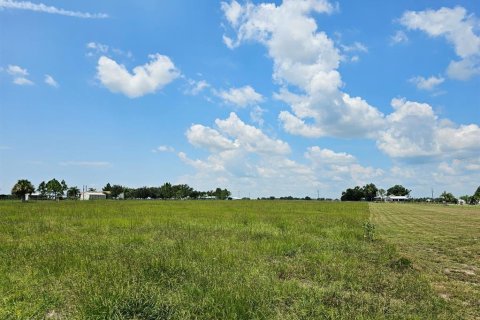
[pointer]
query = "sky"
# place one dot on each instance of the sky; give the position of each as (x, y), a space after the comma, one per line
(293, 97)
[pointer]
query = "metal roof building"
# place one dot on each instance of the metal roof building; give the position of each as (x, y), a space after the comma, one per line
(92, 195)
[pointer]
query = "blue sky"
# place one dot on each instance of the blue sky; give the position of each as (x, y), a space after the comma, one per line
(263, 98)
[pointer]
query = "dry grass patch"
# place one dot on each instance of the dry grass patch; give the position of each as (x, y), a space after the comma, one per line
(443, 242)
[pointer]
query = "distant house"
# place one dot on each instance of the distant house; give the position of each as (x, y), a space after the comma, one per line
(461, 202)
(397, 198)
(90, 195)
(208, 198)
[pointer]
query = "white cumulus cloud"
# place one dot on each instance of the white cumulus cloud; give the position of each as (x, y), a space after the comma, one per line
(306, 58)
(144, 79)
(240, 97)
(326, 156)
(458, 27)
(243, 157)
(251, 138)
(414, 130)
(208, 138)
(256, 115)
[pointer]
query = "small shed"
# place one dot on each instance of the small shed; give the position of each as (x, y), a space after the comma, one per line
(90, 195)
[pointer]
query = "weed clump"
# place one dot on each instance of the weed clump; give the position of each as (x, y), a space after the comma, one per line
(401, 264)
(368, 231)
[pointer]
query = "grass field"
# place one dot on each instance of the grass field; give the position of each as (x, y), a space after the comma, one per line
(443, 242)
(209, 260)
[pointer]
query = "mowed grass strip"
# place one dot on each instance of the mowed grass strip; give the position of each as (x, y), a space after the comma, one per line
(202, 260)
(443, 242)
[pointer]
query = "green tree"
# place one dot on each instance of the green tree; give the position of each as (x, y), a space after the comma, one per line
(116, 190)
(166, 191)
(64, 186)
(73, 192)
(107, 190)
(381, 193)
(22, 188)
(221, 194)
(42, 188)
(476, 197)
(54, 188)
(182, 191)
(398, 190)
(370, 192)
(448, 197)
(355, 194)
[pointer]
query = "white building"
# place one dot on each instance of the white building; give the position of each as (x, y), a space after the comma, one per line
(90, 195)
(397, 198)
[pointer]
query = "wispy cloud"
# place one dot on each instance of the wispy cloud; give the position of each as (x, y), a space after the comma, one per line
(40, 7)
(426, 83)
(356, 46)
(19, 75)
(50, 81)
(163, 149)
(398, 37)
(92, 164)
(195, 87)
(97, 48)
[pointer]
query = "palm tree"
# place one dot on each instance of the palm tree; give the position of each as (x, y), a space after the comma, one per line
(73, 192)
(22, 188)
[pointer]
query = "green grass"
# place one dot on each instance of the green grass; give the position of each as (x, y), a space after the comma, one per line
(443, 243)
(203, 260)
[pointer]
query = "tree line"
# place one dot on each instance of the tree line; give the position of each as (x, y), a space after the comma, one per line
(56, 190)
(473, 199)
(166, 191)
(370, 192)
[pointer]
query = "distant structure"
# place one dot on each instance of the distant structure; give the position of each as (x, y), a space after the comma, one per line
(208, 198)
(90, 195)
(397, 198)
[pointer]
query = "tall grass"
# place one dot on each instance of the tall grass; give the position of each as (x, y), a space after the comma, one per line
(202, 260)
